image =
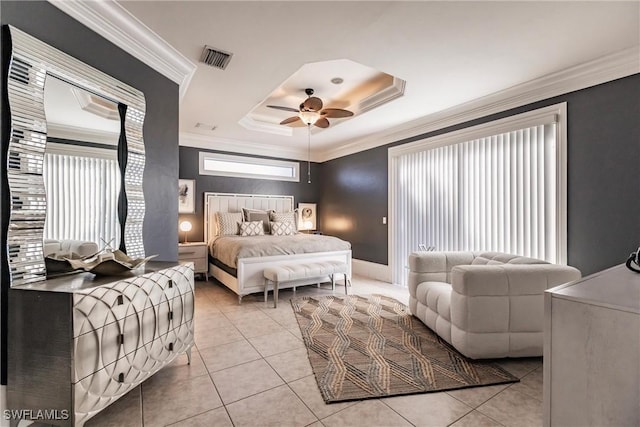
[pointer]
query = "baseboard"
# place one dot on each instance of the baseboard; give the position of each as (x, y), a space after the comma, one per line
(4, 417)
(371, 270)
(3, 405)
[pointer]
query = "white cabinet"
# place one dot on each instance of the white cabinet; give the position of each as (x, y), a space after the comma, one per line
(195, 252)
(80, 342)
(592, 351)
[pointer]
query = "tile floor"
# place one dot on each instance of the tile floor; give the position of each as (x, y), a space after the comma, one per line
(249, 368)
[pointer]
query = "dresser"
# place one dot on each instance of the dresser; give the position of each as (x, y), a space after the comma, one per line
(77, 343)
(195, 252)
(592, 351)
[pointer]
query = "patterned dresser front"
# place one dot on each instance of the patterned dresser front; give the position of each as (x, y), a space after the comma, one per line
(81, 342)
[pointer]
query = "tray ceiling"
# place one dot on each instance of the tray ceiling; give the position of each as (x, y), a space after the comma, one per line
(449, 53)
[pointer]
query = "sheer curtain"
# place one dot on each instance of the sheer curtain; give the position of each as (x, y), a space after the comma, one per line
(82, 198)
(494, 193)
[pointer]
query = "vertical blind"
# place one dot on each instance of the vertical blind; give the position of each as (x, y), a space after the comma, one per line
(496, 193)
(82, 198)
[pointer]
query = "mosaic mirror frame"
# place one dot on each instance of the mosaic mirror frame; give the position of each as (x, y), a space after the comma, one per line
(30, 63)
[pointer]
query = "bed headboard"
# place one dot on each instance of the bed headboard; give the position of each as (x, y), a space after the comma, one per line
(231, 202)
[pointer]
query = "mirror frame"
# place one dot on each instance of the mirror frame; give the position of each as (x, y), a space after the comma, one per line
(30, 63)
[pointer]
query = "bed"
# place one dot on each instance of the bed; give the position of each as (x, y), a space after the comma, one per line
(243, 272)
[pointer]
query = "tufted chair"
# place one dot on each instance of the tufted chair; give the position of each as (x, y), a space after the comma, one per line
(67, 247)
(486, 305)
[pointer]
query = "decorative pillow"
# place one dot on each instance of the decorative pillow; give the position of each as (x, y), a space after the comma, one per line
(228, 223)
(291, 217)
(247, 211)
(252, 228)
(257, 215)
(285, 228)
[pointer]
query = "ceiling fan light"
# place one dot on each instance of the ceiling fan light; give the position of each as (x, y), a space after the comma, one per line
(309, 117)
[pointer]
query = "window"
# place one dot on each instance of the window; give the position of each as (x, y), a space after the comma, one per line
(82, 195)
(248, 167)
(500, 186)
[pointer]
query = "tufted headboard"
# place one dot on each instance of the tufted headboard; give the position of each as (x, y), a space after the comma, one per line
(231, 202)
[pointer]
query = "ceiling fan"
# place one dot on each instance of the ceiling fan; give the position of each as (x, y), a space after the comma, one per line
(311, 112)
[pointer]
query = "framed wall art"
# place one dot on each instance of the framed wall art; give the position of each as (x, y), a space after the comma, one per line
(307, 213)
(186, 196)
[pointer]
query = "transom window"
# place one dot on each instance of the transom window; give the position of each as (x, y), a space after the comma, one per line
(248, 167)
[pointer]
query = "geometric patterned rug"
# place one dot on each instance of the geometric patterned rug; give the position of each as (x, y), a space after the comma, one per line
(367, 347)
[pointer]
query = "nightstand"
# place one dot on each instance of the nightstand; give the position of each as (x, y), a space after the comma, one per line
(195, 252)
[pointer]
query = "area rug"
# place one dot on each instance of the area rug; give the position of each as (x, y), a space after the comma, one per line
(367, 347)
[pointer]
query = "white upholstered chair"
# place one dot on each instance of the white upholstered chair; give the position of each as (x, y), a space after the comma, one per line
(78, 247)
(486, 305)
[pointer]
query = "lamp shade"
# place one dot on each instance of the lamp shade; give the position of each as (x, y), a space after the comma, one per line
(185, 226)
(309, 117)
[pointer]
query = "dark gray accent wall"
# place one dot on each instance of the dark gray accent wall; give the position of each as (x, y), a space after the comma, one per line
(353, 198)
(189, 169)
(603, 166)
(47, 23)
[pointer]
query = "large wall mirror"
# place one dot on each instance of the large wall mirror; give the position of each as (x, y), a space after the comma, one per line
(75, 157)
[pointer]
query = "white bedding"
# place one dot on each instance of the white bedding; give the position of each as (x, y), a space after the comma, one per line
(247, 275)
(228, 249)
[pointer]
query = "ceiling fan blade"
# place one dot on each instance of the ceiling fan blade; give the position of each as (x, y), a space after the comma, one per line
(293, 122)
(336, 113)
(322, 123)
(312, 104)
(278, 107)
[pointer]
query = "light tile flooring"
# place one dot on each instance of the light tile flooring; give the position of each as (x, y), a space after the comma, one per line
(250, 368)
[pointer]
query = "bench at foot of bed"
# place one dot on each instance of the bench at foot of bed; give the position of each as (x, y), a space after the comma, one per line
(287, 273)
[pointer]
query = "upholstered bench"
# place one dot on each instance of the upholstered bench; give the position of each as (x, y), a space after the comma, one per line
(280, 274)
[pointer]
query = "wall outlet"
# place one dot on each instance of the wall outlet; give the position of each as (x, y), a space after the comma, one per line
(384, 219)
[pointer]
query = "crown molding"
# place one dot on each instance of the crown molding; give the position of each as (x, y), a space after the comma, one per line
(251, 124)
(607, 68)
(395, 90)
(188, 139)
(116, 24)
(74, 133)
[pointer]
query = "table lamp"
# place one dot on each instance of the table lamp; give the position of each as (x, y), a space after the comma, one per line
(307, 225)
(186, 227)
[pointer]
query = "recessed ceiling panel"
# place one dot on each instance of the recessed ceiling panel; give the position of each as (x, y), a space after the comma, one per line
(340, 84)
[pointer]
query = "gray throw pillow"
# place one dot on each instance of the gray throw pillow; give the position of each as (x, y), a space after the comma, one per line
(291, 217)
(251, 228)
(257, 215)
(285, 228)
(229, 223)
